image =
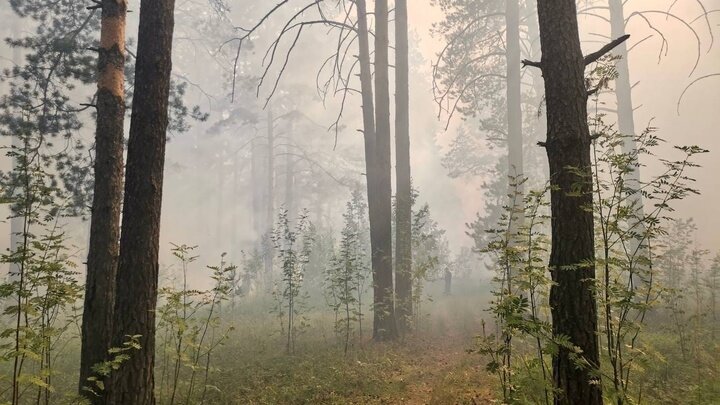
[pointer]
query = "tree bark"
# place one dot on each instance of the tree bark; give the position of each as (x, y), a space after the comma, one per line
(385, 327)
(403, 195)
(104, 244)
(572, 257)
(137, 275)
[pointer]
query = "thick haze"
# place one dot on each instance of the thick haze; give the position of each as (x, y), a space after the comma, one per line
(204, 205)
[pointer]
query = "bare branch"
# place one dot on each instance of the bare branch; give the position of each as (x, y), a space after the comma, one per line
(593, 57)
(690, 85)
(526, 62)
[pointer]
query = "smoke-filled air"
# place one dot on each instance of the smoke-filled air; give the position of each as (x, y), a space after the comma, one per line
(359, 202)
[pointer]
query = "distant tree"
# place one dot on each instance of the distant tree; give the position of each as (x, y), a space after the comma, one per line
(137, 274)
(403, 195)
(477, 75)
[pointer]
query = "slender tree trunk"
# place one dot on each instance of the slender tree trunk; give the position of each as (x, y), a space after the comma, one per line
(290, 176)
(572, 257)
(137, 275)
(219, 195)
(626, 125)
(104, 245)
(234, 201)
(17, 222)
(385, 327)
(514, 122)
(270, 196)
(403, 196)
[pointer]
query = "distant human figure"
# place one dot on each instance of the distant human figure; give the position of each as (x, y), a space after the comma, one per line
(448, 282)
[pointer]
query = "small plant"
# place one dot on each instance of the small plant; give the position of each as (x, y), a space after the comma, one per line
(520, 254)
(190, 325)
(430, 256)
(41, 290)
(626, 235)
(293, 245)
(345, 279)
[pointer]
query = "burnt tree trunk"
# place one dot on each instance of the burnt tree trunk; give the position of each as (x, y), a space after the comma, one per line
(382, 262)
(572, 257)
(403, 195)
(137, 275)
(104, 244)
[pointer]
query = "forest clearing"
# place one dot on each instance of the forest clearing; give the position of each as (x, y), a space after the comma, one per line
(359, 202)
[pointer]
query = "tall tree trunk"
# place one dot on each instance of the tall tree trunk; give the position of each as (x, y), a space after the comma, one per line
(572, 258)
(219, 195)
(514, 122)
(270, 196)
(257, 192)
(626, 123)
(368, 109)
(290, 174)
(385, 327)
(137, 275)
(104, 245)
(234, 203)
(403, 195)
(17, 222)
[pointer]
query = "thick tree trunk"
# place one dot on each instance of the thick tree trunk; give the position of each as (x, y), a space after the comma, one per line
(384, 314)
(403, 195)
(104, 245)
(572, 258)
(137, 275)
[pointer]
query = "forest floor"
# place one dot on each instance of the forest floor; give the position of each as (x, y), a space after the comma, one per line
(444, 373)
(421, 370)
(433, 366)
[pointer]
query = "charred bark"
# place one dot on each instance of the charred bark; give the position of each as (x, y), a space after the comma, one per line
(137, 275)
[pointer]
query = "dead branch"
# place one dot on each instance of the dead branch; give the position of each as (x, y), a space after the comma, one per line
(593, 57)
